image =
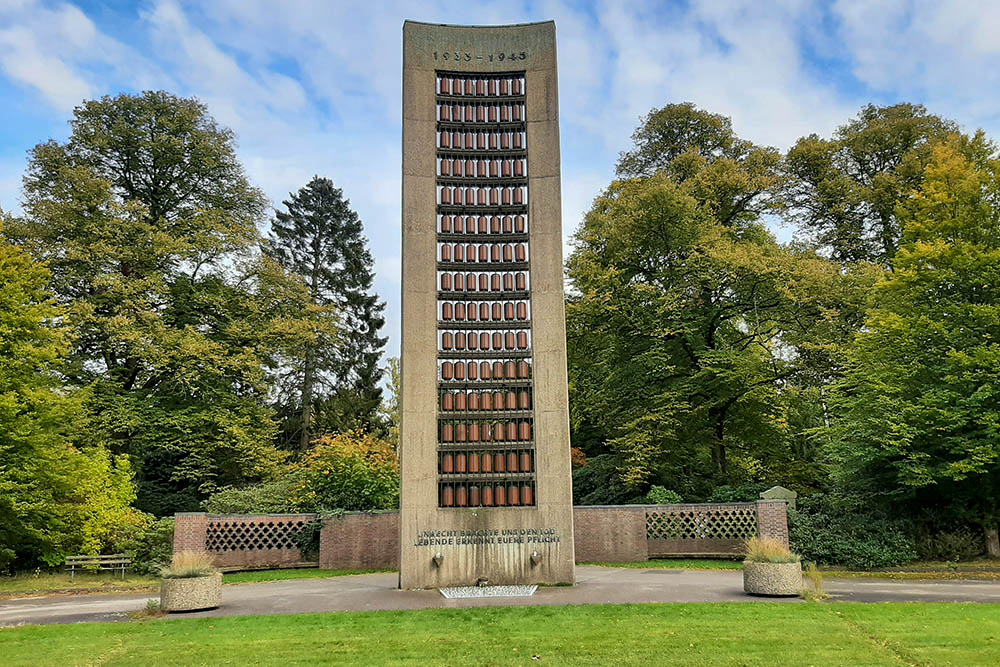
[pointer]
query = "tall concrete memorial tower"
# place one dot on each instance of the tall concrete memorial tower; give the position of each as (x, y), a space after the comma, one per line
(484, 433)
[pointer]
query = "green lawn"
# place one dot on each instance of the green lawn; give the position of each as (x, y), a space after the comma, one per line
(41, 583)
(678, 564)
(280, 575)
(982, 569)
(49, 583)
(745, 634)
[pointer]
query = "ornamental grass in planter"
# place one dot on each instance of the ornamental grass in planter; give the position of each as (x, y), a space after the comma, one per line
(771, 568)
(190, 583)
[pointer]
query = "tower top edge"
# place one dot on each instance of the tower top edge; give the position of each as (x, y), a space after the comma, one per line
(473, 27)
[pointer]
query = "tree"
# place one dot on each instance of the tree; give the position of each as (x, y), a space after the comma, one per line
(390, 404)
(843, 192)
(918, 413)
(732, 179)
(350, 471)
(55, 497)
(689, 320)
(148, 224)
(335, 384)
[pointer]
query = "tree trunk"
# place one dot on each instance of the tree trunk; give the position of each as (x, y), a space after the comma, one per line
(307, 403)
(719, 455)
(992, 540)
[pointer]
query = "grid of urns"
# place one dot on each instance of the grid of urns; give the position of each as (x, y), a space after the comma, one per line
(482, 493)
(485, 412)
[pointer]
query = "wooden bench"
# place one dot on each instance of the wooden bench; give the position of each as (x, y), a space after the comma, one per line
(109, 562)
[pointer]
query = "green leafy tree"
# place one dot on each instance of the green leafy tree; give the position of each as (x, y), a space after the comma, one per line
(148, 224)
(349, 471)
(918, 414)
(689, 320)
(390, 404)
(334, 384)
(843, 192)
(55, 498)
(732, 179)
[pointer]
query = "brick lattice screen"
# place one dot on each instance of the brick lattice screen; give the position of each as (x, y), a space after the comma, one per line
(700, 530)
(243, 541)
(225, 535)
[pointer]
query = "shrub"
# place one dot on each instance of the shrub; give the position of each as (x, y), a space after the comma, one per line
(814, 590)
(832, 531)
(659, 495)
(188, 564)
(769, 550)
(151, 548)
(958, 544)
(600, 483)
(349, 471)
(272, 497)
(738, 493)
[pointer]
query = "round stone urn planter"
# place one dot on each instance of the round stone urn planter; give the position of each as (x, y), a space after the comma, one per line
(772, 579)
(191, 593)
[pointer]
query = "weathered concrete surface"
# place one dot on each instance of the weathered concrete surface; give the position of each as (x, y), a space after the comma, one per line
(772, 578)
(501, 563)
(191, 593)
(595, 585)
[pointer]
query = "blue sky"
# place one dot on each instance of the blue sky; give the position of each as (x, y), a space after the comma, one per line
(313, 87)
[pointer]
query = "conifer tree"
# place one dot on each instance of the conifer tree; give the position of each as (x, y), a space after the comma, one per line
(335, 386)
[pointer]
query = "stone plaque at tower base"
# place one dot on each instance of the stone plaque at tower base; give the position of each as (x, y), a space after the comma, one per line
(486, 493)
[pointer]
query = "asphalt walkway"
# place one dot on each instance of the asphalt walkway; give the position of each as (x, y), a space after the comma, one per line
(595, 585)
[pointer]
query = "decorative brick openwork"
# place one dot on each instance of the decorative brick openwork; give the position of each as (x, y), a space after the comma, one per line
(705, 529)
(243, 541)
(226, 535)
(738, 523)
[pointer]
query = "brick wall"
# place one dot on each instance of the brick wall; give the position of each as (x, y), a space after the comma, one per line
(238, 541)
(772, 519)
(610, 534)
(360, 541)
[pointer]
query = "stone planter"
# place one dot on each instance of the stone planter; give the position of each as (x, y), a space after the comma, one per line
(191, 593)
(774, 579)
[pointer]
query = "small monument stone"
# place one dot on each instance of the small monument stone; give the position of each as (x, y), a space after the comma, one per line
(780, 493)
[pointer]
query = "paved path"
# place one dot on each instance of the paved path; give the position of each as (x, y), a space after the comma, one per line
(595, 585)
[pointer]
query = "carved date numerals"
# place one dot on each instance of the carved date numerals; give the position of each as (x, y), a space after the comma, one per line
(468, 56)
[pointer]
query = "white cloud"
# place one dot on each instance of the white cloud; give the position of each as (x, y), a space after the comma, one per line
(944, 54)
(29, 61)
(61, 54)
(314, 87)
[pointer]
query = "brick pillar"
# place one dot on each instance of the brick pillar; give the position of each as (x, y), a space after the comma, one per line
(190, 529)
(772, 519)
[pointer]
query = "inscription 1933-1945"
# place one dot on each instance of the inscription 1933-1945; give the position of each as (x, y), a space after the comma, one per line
(459, 538)
(469, 56)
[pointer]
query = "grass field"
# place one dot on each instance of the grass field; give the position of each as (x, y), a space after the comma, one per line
(84, 582)
(678, 564)
(281, 575)
(745, 634)
(982, 569)
(106, 582)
